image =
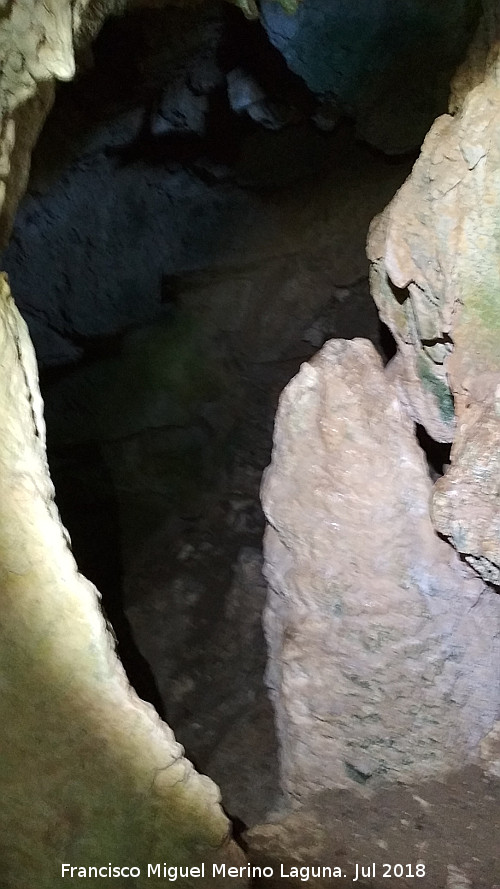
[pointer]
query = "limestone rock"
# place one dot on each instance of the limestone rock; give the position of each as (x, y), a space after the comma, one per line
(38, 42)
(437, 292)
(389, 65)
(221, 249)
(36, 47)
(434, 254)
(490, 751)
(88, 773)
(246, 96)
(384, 648)
(465, 499)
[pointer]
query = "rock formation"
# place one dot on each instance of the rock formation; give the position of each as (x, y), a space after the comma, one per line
(384, 648)
(36, 47)
(88, 773)
(439, 294)
(38, 43)
(387, 65)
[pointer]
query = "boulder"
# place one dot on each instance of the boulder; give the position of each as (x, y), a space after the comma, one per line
(383, 646)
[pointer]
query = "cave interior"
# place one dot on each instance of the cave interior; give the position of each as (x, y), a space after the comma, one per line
(193, 231)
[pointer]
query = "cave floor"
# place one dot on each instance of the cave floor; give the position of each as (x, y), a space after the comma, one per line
(450, 827)
(209, 661)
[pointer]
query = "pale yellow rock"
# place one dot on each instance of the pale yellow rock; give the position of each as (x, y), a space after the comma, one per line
(88, 772)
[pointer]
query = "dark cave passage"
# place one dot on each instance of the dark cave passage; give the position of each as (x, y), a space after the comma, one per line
(194, 229)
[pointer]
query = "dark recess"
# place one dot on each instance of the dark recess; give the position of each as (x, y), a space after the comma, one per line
(89, 510)
(387, 342)
(437, 453)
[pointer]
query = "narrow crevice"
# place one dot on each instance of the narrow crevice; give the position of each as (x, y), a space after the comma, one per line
(87, 504)
(388, 346)
(401, 294)
(436, 453)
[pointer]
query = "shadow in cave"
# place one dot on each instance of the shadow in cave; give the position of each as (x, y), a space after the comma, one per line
(220, 143)
(86, 500)
(388, 345)
(141, 238)
(436, 453)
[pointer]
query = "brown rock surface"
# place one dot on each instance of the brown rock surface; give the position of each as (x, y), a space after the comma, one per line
(384, 647)
(450, 828)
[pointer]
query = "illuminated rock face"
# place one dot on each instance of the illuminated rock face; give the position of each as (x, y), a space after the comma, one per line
(384, 646)
(370, 610)
(434, 254)
(88, 773)
(36, 47)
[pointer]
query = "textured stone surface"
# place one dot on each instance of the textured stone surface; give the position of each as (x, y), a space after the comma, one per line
(209, 666)
(450, 827)
(88, 773)
(465, 500)
(37, 47)
(384, 647)
(219, 248)
(490, 751)
(38, 43)
(389, 65)
(434, 254)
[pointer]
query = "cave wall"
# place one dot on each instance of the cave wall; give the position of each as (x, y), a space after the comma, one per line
(388, 65)
(40, 42)
(383, 647)
(440, 295)
(37, 47)
(88, 773)
(328, 553)
(92, 712)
